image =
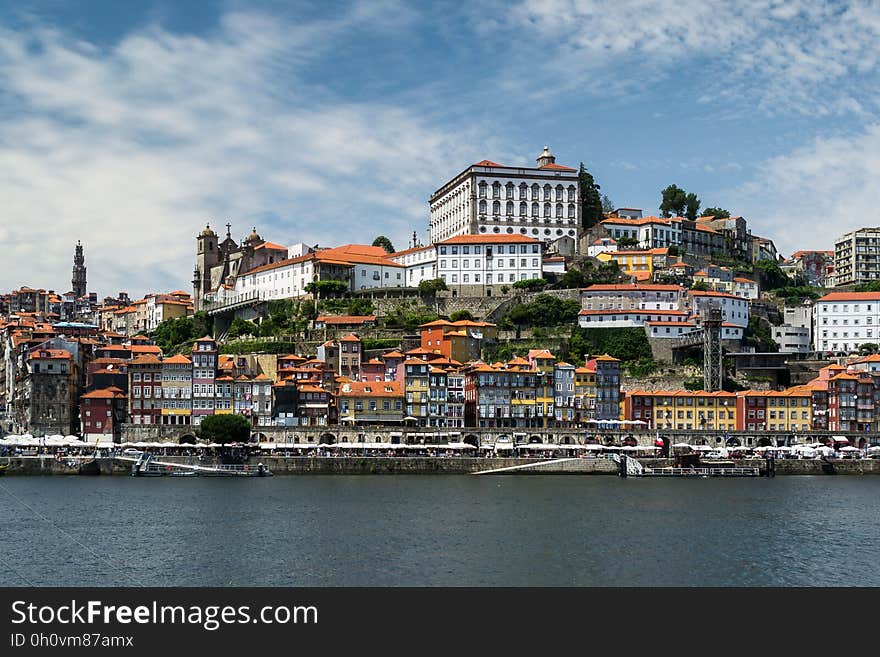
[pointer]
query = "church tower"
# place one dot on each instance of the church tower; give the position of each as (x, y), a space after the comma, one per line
(78, 282)
(207, 256)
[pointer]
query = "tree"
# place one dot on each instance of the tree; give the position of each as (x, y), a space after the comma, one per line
(626, 242)
(241, 327)
(692, 206)
(591, 202)
(572, 278)
(718, 213)
(607, 205)
(432, 286)
(771, 276)
(224, 429)
(868, 348)
(459, 315)
(530, 283)
(700, 286)
(674, 201)
(327, 288)
(385, 243)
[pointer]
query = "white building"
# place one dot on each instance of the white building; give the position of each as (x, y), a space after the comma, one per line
(480, 262)
(649, 232)
(857, 257)
(629, 318)
(746, 288)
(490, 198)
(632, 297)
(660, 330)
(734, 309)
(844, 320)
(602, 245)
(420, 264)
(792, 339)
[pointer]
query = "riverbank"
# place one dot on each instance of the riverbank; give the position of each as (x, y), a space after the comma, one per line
(358, 465)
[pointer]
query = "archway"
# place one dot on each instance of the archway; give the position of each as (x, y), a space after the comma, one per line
(327, 439)
(863, 443)
(187, 439)
(535, 440)
(764, 441)
(472, 440)
(258, 437)
(733, 442)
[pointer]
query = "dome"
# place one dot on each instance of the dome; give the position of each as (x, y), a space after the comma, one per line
(253, 237)
(207, 232)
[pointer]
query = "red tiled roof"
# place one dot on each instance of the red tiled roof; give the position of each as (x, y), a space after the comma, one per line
(560, 167)
(851, 296)
(632, 288)
(487, 163)
(345, 319)
(105, 393)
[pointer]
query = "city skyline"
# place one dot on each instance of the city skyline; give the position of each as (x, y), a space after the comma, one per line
(129, 130)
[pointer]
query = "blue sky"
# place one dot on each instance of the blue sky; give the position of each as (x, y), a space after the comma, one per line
(130, 125)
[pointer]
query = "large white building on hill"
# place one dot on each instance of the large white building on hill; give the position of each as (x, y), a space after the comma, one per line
(489, 198)
(844, 320)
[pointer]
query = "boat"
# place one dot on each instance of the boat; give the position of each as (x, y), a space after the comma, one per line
(90, 468)
(687, 465)
(4, 468)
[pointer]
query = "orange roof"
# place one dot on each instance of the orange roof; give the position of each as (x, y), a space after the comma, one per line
(271, 246)
(560, 167)
(179, 293)
(436, 322)
(105, 393)
(709, 293)
(540, 353)
(357, 254)
(744, 280)
(144, 349)
(345, 319)
(371, 389)
(632, 288)
(145, 359)
(392, 354)
(851, 296)
(414, 249)
(491, 239)
(642, 221)
(691, 324)
(487, 163)
(50, 354)
(657, 251)
(634, 311)
(351, 337)
(179, 359)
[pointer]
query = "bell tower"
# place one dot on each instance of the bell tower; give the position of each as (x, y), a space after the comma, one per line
(546, 157)
(207, 255)
(78, 281)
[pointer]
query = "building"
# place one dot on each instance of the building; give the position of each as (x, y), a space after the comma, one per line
(632, 297)
(145, 389)
(608, 396)
(343, 356)
(645, 232)
(480, 265)
(602, 245)
(177, 390)
(631, 318)
(416, 386)
(490, 198)
(103, 413)
(46, 403)
(857, 257)
(844, 320)
(460, 341)
(634, 263)
(787, 410)
(204, 374)
(791, 339)
(420, 263)
(734, 309)
(816, 267)
(367, 402)
(345, 322)
(682, 410)
(78, 280)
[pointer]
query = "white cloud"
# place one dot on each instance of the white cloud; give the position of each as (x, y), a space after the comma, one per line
(132, 148)
(809, 197)
(777, 56)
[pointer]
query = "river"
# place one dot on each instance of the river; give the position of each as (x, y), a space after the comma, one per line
(454, 530)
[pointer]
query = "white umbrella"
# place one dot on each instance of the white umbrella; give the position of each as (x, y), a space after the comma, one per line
(594, 447)
(874, 450)
(849, 449)
(681, 445)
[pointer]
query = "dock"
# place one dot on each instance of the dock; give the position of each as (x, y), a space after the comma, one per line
(145, 465)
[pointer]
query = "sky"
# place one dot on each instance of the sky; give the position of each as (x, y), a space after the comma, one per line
(130, 125)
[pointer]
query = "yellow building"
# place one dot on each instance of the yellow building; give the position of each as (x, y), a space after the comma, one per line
(223, 395)
(682, 410)
(635, 262)
(176, 390)
(543, 362)
(370, 402)
(584, 393)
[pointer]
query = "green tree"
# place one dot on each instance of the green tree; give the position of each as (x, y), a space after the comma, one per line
(718, 213)
(591, 201)
(530, 284)
(701, 286)
(224, 429)
(268, 327)
(674, 201)
(327, 288)
(432, 286)
(627, 344)
(868, 348)
(771, 277)
(459, 315)
(607, 205)
(692, 206)
(627, 242)
(385, 243)
(572, 278)
(241, 327)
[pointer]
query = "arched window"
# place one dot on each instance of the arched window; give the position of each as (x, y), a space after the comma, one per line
(559, 209)
(483, 189)
(510, 205)
(523, 209)
(496, 207)
(572, 194)
(547, 189)
(496, 189)
(535, 192)
(523, 192)
(509, 190)
(571, 210)
(560, 193)
(482, 207)
(547, 209)
(535, 210)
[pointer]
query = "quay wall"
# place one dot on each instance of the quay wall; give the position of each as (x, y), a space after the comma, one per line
(350, 465)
